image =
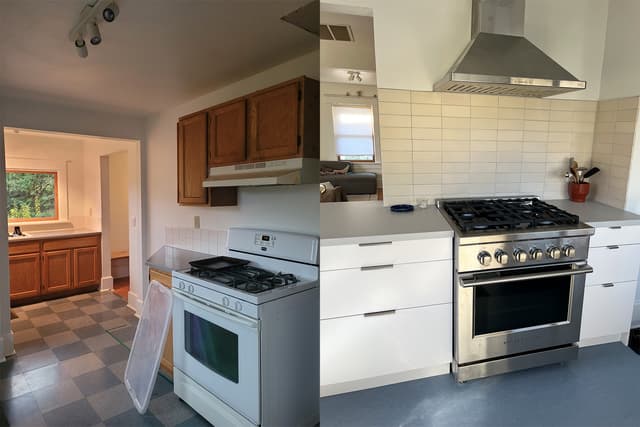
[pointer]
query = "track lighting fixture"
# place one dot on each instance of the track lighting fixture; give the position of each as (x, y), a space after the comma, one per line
(91, 15)
(94, 34)
(354, 75)
(81, 48)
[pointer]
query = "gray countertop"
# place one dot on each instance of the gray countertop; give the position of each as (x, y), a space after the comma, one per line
(368, 222)
(54, 234)
(597, 214)
(168, 258)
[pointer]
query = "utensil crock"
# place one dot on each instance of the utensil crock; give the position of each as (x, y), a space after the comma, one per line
(578, 192)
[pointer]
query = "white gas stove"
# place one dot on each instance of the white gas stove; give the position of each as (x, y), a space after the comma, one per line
(246, 331)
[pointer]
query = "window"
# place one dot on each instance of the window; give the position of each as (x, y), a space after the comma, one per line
(353, 132)
(32, 195)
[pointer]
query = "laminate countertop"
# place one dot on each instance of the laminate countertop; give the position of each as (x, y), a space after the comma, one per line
(597, 214)
(369, 222)
(54, 234)
(169, 258)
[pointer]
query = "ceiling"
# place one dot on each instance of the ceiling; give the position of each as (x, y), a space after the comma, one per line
(338, 57)
(156, 54)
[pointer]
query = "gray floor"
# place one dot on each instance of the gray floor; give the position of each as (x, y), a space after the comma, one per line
(68, 370)
(601, 388)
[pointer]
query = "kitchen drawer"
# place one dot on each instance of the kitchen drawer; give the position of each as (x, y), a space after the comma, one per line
(617, 235)
(70, 243)
(358, 291)
(607, 310)
(613, 264)
(358, 347)
(384, 253)
(18, 248)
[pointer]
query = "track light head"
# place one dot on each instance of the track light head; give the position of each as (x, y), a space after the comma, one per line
(81, 47)
(94, 34)
(110, 13)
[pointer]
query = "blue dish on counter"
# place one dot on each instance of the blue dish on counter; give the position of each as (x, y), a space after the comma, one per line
(401, 208)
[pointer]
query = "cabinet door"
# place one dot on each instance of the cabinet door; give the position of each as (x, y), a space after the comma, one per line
(274, 123)
(227, 134)
(607, 310)
(56, 271)
(192, 159)
(86, 267)
(24, 275)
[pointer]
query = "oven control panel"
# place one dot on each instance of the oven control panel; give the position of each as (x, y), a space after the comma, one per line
(265, 240)
(496, 255)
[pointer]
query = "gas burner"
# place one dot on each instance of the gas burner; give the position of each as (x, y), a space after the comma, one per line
(490, 215)
(245, 278)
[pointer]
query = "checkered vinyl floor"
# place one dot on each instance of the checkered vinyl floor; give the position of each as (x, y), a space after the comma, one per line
(68, 370)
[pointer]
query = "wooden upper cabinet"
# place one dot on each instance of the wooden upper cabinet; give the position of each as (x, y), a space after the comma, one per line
(86, 267)
(274, 122)
(24, 275)
(192, 159)
(227, 134)
(56, 271)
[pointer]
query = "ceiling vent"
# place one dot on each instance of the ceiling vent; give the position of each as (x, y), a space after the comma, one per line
(341, 33)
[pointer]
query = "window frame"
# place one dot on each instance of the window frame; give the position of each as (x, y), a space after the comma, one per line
(56, 198)
(373, 105)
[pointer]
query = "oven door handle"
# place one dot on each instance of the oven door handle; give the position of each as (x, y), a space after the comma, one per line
(470, 282)
(219, 311)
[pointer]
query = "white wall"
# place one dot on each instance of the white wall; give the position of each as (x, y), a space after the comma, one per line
(621, 66)
(417, 41)
(572, 32)
(42, 114)
(287, 208)
(119, 201)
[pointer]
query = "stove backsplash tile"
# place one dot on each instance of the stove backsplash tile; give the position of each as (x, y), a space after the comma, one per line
(199, 240)
(459, 145)
(612, 149)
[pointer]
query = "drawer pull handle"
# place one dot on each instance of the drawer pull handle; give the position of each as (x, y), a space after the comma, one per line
(608, 285)
(615, 227)
(613, 247)
(374, 244)
(376, 267)
(379, 313)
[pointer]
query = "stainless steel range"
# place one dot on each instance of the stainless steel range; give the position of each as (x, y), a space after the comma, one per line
(246, 332)
(520, 267)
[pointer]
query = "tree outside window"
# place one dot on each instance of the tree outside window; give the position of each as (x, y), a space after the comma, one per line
(32, 195)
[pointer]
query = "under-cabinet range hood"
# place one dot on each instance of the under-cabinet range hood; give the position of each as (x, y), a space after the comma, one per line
(500, 61)
(273, 172)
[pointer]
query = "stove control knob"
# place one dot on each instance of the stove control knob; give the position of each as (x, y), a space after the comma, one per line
(520, 255)
(484, 258)
(238, 306)
(569, 251)
(554, 252)
(225, 301)
(501, 256)
(536, 254)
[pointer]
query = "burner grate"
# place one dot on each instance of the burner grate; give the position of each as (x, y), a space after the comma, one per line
(245, 278)
(506, 214)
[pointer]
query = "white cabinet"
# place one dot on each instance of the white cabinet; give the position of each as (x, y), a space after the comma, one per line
(368, 347)
(608, 310)
(614, 254)
(386, 313)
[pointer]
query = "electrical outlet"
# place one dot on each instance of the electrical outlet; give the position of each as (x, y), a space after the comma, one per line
(196, 222)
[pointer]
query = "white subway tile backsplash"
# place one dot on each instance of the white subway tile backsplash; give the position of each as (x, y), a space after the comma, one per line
(448, 144)
(394, 95)
(388, 120)
(394, 108)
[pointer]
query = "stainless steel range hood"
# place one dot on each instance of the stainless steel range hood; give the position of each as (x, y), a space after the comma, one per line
(274, 172)
(500, 61)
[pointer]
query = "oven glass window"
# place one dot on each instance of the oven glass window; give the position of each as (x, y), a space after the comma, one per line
(508, 306)
(211, 345)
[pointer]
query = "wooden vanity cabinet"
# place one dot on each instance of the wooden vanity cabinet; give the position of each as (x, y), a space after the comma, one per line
(39, 269)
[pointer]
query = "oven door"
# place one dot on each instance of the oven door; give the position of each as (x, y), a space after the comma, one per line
(220, 351)
(518, 310)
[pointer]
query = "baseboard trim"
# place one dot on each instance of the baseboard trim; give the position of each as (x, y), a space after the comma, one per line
(349, 386)
(134, 303)
(106, 283)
